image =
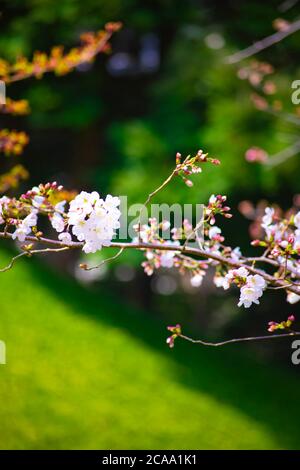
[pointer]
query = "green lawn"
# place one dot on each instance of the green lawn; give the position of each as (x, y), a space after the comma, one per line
(83, 371)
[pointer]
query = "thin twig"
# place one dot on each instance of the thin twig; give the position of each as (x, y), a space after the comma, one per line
(30, 253)
(239, 340)
(272, 262)
(281, 287)
(151, 195)
(89, 268)
(283, 155)
(263, 43)
(288, 117)
(286, 5)
(12, 262)
(48, 250)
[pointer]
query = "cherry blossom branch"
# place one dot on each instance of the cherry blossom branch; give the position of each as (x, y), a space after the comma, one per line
(263, 43)
(60, 246)
(94, 221)
(93, 44)
(272, 326)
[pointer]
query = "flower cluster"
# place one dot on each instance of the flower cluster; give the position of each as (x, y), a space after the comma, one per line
(176, 331)
(15, 107)
(12, 142)
(171, 258)
(24, 226)
(252, 290)
(182, 236)
(58, 61)
(12, 178)
(191, 165)
(284, 325)
(252, 286)
(216, 206)
(256, 72)
(155, 259)
(22, 213)
(282, 243)
(93, 220)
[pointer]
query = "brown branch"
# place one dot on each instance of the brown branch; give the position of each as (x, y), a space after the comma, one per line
(185, 250)
(12, 262)
(87, 57)
(287, 4)
(146, 246)
(288, 117)
(272, 262)
(238, 340)
(30, 253)
(263, 43)
(283, 155)
(107, 260)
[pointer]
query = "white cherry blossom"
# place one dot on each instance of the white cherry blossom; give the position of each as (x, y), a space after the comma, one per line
(248, 296)
(196, 280)
(297, 220)
(268, 217)
(292, 298)
(65, 237)
(24, 227)
(213, 231)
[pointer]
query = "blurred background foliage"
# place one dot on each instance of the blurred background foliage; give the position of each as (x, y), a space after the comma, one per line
(116, 125)
(164, 89)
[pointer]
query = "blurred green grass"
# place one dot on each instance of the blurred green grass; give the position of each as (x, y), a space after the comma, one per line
(85, 371)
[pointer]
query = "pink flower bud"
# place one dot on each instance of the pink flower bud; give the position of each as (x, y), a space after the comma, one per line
(178, 158)
(256, 154)
(170, 341)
